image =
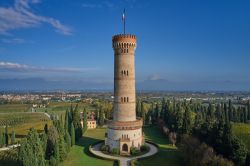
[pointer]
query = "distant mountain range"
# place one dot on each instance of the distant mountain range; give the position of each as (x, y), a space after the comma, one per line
(157, 84)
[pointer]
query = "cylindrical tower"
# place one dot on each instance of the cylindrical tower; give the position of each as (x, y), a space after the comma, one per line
(124, 77)
(124, 131)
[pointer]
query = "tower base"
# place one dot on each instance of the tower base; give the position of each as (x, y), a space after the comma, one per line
(124, 135)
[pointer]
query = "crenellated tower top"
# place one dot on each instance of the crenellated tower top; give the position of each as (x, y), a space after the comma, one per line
(124, 41)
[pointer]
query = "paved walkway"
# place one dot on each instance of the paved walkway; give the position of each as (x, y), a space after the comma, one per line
(9, 147)
(124, 161)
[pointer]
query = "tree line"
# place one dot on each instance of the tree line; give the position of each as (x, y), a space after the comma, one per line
(52, 146)
(207, 127)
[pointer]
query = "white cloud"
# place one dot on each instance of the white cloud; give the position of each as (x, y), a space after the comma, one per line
(154, 77)
(13, 41)
(21, 16)
(16, 67)
(102, 4)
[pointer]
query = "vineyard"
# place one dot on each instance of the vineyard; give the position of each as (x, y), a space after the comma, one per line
(8, 108)
(14, 119)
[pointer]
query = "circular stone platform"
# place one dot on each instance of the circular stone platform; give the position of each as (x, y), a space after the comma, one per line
(124, 161)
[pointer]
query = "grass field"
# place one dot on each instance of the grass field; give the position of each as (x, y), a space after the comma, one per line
(242, 131)
(79, 154)
(167, 155)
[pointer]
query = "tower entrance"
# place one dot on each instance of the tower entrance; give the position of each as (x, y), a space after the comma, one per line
(125, 147)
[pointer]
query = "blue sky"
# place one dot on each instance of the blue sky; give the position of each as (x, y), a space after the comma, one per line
(182, 45)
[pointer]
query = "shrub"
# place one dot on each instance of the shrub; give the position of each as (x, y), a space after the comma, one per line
(134, 151)
(144, 148)
(52, 161)
(104, 148)
(115, 151)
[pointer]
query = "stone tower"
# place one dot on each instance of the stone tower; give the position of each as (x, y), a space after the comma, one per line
(124, 131)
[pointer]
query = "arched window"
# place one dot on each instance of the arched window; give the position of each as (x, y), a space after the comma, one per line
(127, 72)
(122, 99)
(127, 99)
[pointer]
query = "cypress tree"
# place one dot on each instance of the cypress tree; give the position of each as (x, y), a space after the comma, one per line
(62, 149)
(143, 113)
(67, 141)
(46, 128)
(157, 111)
(6, 135)
(13, 137)
(56, 154)
(72, 135)
(248, 108)
(66, 121)
(31, 151)
(187, 122)
(85, 120)
(138, 108)
(163, 104)
(101, 117)
(245, 114)
(1, 139)
(230, 110)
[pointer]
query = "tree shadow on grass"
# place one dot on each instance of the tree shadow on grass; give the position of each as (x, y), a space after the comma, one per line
(85, 142)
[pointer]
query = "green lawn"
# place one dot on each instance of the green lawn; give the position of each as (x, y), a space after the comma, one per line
(167, 155)
(79, 154)
(242, 131)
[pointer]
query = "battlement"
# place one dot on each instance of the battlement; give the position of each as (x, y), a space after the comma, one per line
(115, 37)
(124, 41)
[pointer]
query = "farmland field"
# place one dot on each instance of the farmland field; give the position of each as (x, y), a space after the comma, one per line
(22, 122)
(15, 108)
(242, 131)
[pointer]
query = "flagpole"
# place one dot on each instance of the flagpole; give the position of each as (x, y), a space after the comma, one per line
(124, 27)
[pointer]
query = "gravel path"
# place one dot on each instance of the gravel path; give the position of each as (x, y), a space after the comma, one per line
(124, 161)
(9, 147)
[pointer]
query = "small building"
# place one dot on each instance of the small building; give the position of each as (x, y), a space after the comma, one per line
(91, 123)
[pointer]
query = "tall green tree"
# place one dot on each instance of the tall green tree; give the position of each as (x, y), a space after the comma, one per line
(101, 122)
(187, 121)
(157, 111)
(67, 139)
(178, 119)
(77, 123)
(56, 152)
(6, 135)
(66, 121)
(230, 110)
(31, 151)
(163, 105)
(143, 113)
(85, 120)
(62, 148)
(1, 139)
(13, 137)
(138, 108)
(248, 108)
(72, 134)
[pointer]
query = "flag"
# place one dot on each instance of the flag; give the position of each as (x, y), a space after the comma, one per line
(123, 15)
